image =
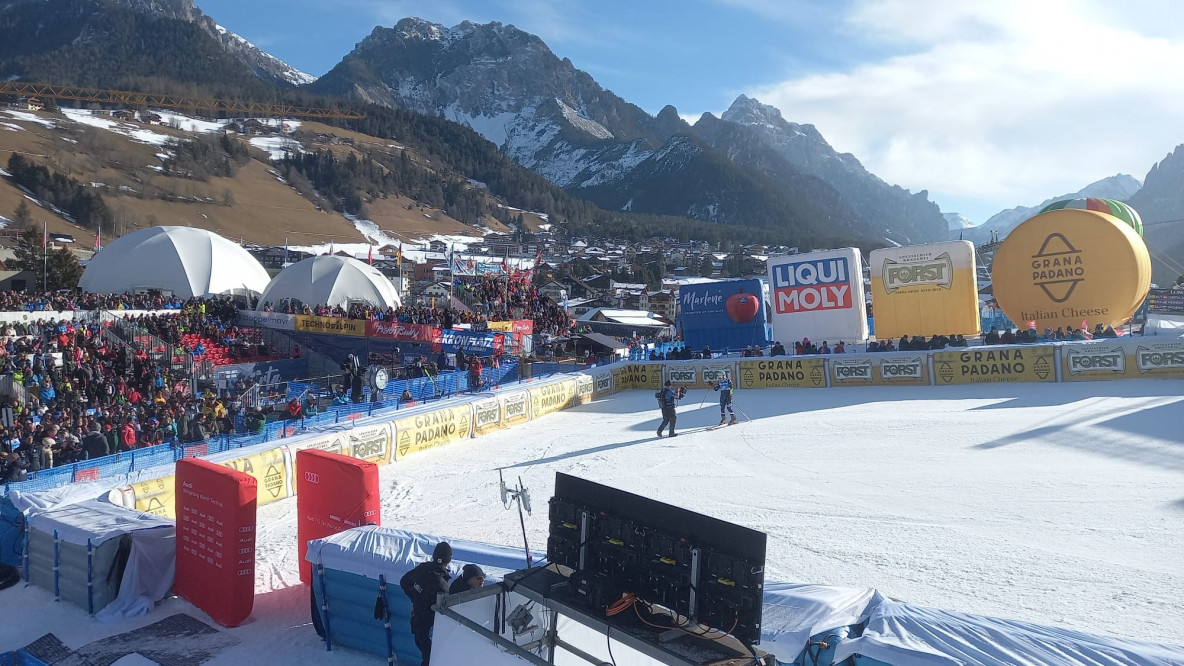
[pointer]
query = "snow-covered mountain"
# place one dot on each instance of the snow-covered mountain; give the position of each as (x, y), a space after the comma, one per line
(262, 64)
(900, 215)
(1160, 203)
(555, 119)
(957, 224)
(1120, 186)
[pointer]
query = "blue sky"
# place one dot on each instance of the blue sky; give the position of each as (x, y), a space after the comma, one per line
(988, 105)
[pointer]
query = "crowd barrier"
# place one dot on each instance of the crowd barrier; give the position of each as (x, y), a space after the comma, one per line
(380, 439)
(1107, 359)
(132, 463)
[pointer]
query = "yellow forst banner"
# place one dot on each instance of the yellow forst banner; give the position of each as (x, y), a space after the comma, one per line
(502, 326)
(487, 416)
(157, 496)
(789, 373)
(909, 370)
(551, 397)
(330, 325)
(515, 408)
(985, 365)
(585, 387)
(637, 376)
(1122, 360)
(1157, 359)
(431, 429)
(372, 443)
(269, 470)
(696, 375)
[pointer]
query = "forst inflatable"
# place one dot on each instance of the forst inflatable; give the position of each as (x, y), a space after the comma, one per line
(1071, 267)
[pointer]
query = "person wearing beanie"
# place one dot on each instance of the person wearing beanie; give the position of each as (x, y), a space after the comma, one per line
(423, 585)
(471, 578)
(666, 400)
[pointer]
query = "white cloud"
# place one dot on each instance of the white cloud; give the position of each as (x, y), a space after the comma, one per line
(992, 105)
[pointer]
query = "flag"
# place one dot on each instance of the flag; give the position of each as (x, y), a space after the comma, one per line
(370, 254)
(285, 249)
(399, 255)
(98, 237)
(44, 237)
(330, 248)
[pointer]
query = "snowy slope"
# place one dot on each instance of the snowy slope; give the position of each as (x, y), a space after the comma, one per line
(1059, 504)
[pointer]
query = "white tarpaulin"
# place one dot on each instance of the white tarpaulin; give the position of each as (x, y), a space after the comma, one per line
(94, 521)
(794, 612)
(901, 634)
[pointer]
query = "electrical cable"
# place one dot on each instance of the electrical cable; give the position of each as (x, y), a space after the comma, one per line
(609, 643)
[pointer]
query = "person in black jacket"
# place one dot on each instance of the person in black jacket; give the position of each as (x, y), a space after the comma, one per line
(94, 445)
(471, 577)
(666, 398)
(422, 585)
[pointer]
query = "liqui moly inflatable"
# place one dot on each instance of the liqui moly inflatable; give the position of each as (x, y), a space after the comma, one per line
(819, 296)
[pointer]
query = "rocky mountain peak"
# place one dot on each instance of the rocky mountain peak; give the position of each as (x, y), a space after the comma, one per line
(749, 111)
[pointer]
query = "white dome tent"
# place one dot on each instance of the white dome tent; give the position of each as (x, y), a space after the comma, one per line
(182, 261)
(330, 280)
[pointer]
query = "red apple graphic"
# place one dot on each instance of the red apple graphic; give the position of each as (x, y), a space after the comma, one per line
(742, 307)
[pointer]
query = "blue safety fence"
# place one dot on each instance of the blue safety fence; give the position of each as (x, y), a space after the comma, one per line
(422, 389)
(19, 658)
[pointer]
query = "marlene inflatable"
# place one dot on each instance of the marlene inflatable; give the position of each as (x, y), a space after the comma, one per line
(1072, 267)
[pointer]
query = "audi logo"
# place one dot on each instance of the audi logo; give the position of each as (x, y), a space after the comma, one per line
(312, 477)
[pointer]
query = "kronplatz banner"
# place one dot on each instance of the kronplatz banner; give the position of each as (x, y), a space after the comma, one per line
(819, 296)
(724, 315)
(925, 290)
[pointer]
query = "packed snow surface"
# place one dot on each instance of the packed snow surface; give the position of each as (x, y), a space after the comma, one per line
(1058, 504)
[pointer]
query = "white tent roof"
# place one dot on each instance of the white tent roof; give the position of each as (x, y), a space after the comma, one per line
(331, 280)
(182, 260)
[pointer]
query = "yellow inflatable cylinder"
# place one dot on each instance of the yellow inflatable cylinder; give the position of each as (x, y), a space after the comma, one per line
(1064, 267)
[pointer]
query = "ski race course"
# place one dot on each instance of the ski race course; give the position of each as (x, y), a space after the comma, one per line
(1055, 504)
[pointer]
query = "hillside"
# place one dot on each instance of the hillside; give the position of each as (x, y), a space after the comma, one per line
(123, 161)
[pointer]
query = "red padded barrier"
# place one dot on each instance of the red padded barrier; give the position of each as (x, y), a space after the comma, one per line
(333, 493)
(216, 539)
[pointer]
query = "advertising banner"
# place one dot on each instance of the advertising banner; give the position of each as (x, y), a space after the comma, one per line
(602, 384)
(157, 496)
(1093, 361)
(858, 371)
(984, 365)
(515, 408)
(818, 295)
(1122, 359)
(1166, 301)
(216, 527)
(329, 325)
(487, 416)
(394, 330)
(694, 374)
(431, 429)
(910, 369)
(788, 373)
(551, 398)
(269, 470)
(585, 387)
(637, 376)
(925, 290)
(482, 344)
(276, 320)
(371, 443)
(722, 315)
(1071, 267)
(1158, 359)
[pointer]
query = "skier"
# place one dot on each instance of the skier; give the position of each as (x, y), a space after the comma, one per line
(724, 386)
(666, 398)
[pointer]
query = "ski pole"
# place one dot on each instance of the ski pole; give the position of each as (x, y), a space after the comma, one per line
(746, 417)
(706, 392)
